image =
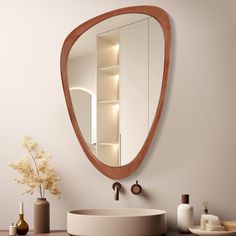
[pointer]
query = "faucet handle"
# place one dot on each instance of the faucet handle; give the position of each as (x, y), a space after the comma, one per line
(116, 185)
(136, 188)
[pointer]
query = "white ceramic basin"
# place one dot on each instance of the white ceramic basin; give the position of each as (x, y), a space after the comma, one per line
(116, 222)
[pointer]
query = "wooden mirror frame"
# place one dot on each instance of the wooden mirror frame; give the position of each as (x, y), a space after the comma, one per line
(162, 17)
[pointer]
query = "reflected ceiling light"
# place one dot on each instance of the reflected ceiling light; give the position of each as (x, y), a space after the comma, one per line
(116, 77)
(116, 107)
(116, 47)
(116, 145)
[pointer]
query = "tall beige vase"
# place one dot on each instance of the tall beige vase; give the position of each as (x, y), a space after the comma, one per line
(41, 216)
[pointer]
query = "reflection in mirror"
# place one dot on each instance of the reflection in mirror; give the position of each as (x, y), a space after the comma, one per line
(115, 72)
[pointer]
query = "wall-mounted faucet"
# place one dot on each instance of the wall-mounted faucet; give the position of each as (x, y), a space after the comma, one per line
(117, 187)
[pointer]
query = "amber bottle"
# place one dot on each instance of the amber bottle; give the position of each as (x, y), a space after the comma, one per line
(22, 227)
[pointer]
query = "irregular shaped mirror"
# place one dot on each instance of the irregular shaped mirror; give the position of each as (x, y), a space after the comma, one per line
(114, 71)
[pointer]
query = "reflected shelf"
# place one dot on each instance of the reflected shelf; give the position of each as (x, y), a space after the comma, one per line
(91, 144)
(109, 102)
(109, 144)
(112, 69)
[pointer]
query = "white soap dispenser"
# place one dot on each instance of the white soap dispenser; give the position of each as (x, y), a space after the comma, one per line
(184, 215)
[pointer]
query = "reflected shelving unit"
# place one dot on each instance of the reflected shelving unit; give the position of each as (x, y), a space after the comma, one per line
(108, 148)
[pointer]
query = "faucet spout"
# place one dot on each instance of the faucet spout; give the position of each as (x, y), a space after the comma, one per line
(117, 187)
(116, 193)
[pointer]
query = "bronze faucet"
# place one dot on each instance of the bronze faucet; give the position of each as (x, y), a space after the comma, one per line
(117, 187)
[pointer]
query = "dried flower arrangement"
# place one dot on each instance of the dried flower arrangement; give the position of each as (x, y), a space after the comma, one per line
(35, 170)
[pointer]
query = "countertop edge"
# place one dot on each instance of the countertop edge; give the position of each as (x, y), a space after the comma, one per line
(63, 232)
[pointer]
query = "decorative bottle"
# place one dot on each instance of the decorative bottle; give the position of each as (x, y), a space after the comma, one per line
(22, 227)
(184, 215)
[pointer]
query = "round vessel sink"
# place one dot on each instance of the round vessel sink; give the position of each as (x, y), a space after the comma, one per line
(116, 222)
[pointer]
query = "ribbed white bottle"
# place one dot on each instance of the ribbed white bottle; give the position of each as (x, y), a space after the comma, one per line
(185, 215)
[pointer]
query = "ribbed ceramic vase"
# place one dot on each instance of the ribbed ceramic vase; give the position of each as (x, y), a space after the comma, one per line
(41, 216)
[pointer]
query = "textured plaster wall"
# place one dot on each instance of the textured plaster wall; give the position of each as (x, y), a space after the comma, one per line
(194, 151)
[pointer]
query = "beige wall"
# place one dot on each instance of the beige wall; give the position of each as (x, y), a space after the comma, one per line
(194, 150)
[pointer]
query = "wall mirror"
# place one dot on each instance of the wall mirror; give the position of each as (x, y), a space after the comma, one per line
(114, 71)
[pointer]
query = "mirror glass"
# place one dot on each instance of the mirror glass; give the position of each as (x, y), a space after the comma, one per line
(115, 72)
